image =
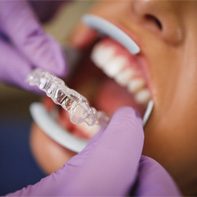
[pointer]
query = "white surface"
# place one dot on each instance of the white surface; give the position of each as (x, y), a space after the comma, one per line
(148, 112)
(47, 123)
(110, 29)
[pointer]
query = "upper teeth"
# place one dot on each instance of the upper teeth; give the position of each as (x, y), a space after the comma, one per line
(113, 67)
(117, 67)
(136, 84)
(106, 55)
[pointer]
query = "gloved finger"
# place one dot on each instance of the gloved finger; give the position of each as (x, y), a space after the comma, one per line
(154, 180)
(13, 67)
(19, 23)
(107, 166)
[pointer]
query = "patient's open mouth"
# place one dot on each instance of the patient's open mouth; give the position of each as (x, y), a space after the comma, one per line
(109, 77)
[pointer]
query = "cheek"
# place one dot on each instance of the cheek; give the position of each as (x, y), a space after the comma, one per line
(170, 136)
(49, 155)
(163, 67)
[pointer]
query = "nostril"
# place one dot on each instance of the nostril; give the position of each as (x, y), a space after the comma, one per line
(154, 20)
(162, 19)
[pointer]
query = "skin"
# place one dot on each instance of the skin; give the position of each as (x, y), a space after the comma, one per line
(49, 155)
(168, 49)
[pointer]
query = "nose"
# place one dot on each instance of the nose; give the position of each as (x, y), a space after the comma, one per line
(161, 18)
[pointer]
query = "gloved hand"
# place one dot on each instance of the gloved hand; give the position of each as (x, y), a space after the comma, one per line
(24, 45)
(109, 165)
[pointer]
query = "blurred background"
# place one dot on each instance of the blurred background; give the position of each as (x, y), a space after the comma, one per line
(17, 165)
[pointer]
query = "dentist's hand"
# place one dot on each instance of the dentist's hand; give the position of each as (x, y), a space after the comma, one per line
(110, 165)
(24, 45)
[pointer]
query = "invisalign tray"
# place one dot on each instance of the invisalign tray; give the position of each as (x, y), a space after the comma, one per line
(76, 105)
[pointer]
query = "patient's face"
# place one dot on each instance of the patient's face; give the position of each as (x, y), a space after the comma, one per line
(166, 33)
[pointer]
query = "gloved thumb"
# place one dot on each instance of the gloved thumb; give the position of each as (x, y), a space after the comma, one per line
(107, 166)
(20, 25)
(154, 180)
(109, 163)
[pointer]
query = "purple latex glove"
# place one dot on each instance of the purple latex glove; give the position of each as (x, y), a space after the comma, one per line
(109, 165)
(24, 45)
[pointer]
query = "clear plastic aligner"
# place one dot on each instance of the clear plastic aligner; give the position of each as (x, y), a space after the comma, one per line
(76, 105)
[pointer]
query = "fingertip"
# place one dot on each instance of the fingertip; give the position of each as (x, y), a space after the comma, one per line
(124, 132)
(52, 58)
(127, 114)
(147, 161)
(155, 180)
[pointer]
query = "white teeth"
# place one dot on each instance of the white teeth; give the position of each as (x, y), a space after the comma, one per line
(101, 55)
(113, 67)
(135, 85)
(116, 67)
(142, 96)
(124, 76)
(91, 130)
